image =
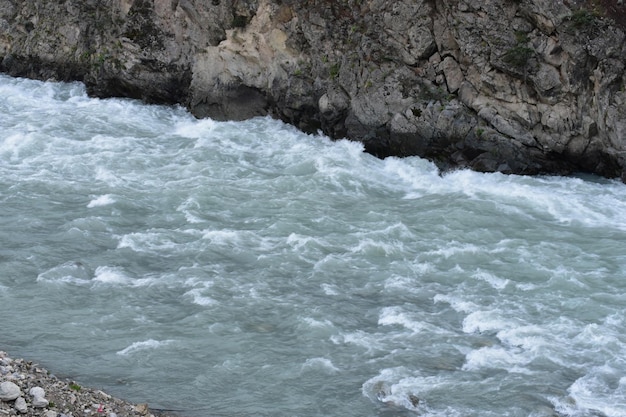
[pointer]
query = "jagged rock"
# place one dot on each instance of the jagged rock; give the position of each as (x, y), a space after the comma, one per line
(551, 86)
(9, 391)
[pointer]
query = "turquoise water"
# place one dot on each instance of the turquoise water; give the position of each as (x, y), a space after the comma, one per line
(248, 269)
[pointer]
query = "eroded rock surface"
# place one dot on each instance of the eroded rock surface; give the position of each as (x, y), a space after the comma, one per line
(518, 86)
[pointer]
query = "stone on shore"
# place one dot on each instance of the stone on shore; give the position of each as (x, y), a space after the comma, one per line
(20, 405)
(39, 397)
(9, 391)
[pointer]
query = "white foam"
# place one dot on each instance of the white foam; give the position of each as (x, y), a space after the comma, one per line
(103, 200)
(222, 237)
(311, 322)
(14, 144)
(493, 280)
(390, 316)
(196, 129)
(372, 247)
(111, 275)
(415, 176)
(602, 391)
(458, 304)
(145, 345)
(485, 321)
(496, 357)
(531, 338)
(66, 273)
(359, 338)
(299, 241)
(199, 298)
(323, 364)
(330, 289)
(398, 387)
(150, 241)
(454, 248)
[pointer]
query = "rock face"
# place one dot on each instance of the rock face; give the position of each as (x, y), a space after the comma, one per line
(518, 86)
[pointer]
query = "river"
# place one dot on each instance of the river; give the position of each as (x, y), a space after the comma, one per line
(248, 269)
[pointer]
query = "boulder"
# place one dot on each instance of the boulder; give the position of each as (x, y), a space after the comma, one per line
(9, 391)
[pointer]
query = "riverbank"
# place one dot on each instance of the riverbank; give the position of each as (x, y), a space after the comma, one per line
(519, 87)
(26, 389)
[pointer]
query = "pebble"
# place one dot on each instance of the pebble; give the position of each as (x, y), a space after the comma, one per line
(9, 391)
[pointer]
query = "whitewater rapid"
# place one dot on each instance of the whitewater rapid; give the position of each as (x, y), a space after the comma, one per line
(248, 269)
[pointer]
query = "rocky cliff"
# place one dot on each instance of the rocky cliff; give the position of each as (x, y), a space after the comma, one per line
(518, 86)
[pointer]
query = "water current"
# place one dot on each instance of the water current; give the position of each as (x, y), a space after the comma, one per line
(247, 269)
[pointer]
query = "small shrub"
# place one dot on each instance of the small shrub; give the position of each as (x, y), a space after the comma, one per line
(334, 71)
(521, 37)
(582, 18)
(518, 56)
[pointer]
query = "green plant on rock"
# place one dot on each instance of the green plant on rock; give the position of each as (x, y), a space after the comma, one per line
(583, 18)
(518, 56)
(521, 37)
(333, 71)
(75, 387)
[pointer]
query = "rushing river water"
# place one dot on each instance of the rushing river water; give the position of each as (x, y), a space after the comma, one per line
(247, 269)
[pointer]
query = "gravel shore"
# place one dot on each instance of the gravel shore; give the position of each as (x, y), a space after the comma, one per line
(28, 390)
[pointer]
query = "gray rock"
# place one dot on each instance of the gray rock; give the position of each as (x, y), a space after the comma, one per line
(37, 392)
(40, 402)
(20, 405)
(9, 391)
(453, 73)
